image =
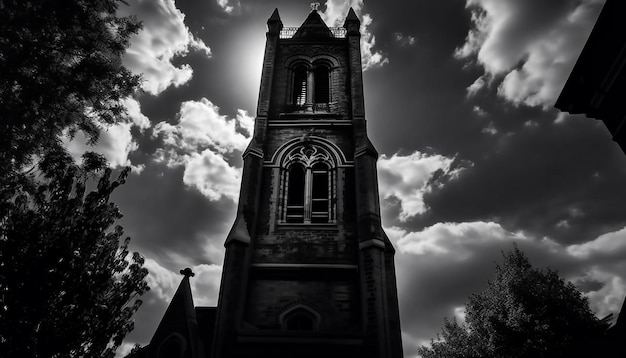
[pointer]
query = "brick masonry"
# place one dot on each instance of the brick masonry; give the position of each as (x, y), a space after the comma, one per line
(322, 267)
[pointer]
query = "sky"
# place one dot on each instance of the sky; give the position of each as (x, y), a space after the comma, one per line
(459, 99)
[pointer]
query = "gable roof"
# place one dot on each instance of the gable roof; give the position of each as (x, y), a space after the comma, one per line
(313, 27)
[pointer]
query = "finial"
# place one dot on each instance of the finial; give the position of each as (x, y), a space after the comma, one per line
(187, 272)
(314, 6)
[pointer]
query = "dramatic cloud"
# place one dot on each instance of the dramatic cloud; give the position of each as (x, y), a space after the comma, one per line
(407, 178)
(199, 142)
(204, 285)
(527, 48)
(610, 245)
(164, 36)
(115, 142)
(468, 251)
(201, 125)
(212, 175)
(609, 297)
(335, 15)
(455, 239)
(506, 174)
(133, 109)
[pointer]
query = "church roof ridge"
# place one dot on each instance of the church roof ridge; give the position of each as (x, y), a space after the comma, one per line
(313, 27)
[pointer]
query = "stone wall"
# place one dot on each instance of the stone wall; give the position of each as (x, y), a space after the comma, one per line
(339, 81)
(336, 301)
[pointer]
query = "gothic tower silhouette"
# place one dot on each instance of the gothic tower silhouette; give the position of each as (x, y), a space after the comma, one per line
(308, 271)
(308, 267)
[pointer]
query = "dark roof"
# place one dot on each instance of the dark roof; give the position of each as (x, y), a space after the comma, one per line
(597, 83)
(313, 27)
(600, 66)
(352, 16)
(275, 16)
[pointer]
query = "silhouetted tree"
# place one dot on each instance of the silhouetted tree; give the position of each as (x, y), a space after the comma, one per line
(524, 312)
(60, 70)
(67, 286)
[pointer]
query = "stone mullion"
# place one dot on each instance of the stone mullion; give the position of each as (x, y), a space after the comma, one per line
(276, 199)
(310, 87)
(330, 194)
(308, 182)
(286, 196)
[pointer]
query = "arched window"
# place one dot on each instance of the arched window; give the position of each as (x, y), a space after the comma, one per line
(322, 81)
(295, 194)
(310, 89)
(299, 321)
(308, 189)
(320, 190)
(299, 85)
(300, 318)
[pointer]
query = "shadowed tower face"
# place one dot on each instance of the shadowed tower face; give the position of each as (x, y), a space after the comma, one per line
(308, 270)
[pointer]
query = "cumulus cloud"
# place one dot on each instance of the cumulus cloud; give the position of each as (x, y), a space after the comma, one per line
(201, 125)
(459, 240)
(407, 178)
(133, 109)
(612, 244)
(163, 37)
(609, 297)
(199, 142)
(335, 15)
(527, 48)
(115, 142)
(464, 252)
(204, 285)
(212, 175)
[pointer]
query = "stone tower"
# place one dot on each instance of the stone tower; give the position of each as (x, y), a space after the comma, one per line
(309, 271)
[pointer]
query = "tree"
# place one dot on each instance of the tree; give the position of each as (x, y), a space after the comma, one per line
(61, 71)
(67, 286)
(524, 312)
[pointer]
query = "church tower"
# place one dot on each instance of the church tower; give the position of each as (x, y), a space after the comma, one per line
(309, 271)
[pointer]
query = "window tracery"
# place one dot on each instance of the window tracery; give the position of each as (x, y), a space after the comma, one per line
(308, 186)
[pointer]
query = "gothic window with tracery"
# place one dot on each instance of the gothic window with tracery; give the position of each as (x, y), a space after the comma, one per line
(308, 186)
(295, 194)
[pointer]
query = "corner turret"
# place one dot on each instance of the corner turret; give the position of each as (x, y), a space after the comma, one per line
(274, 23)
(352, 23)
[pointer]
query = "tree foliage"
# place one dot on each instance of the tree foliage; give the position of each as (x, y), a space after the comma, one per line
(68, 288)
(524, 312)
(61, 70)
